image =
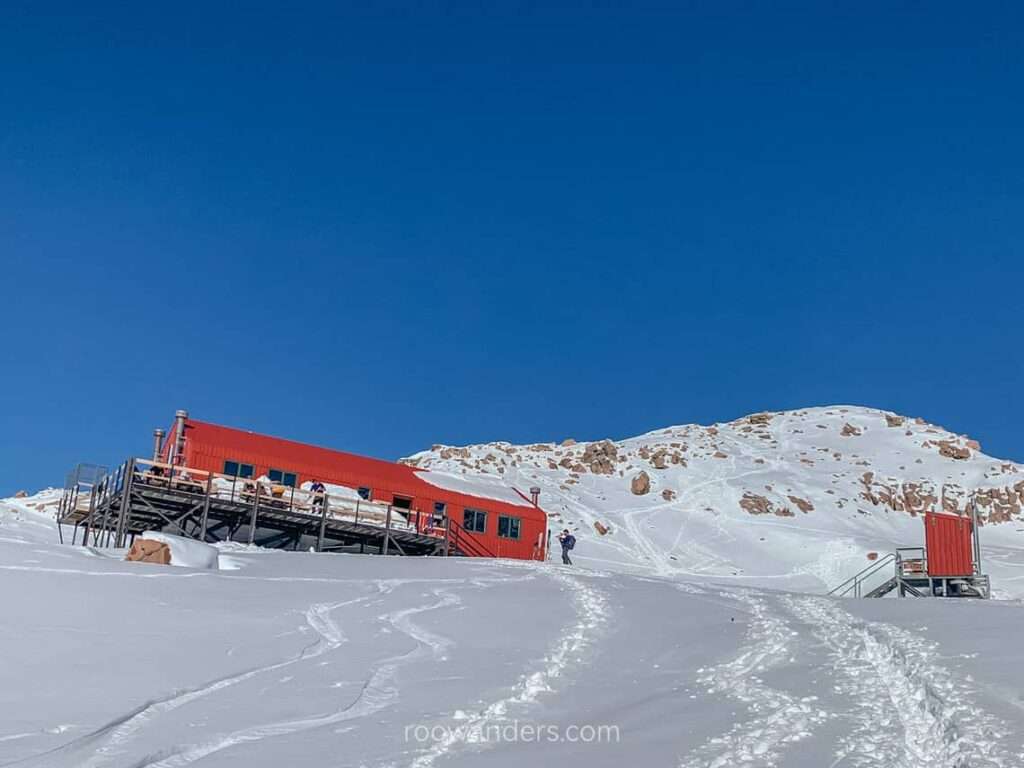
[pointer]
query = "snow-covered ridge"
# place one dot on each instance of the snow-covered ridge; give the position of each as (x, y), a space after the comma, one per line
(802, 495)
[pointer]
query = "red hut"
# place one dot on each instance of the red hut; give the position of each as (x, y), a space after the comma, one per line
(502, 520)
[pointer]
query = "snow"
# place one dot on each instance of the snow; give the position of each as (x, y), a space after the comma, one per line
(301, 659)
(487, 487)
(693, 638)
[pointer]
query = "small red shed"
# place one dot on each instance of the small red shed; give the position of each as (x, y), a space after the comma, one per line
(949, 543)
(510, 526)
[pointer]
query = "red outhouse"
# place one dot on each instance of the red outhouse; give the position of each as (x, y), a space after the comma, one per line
(949, 543)
(504, 521)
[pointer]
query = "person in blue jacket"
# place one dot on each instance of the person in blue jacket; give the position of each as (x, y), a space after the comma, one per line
(568, 541)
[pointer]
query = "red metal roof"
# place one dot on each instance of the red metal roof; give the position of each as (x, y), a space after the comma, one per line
(214, 440)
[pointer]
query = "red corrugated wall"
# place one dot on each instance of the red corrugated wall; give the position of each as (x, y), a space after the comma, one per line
(208, 446)
(949, 544)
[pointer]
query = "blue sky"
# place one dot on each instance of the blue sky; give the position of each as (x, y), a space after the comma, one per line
(381, 228)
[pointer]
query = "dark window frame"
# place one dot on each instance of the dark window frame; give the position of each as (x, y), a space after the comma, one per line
(283, 475)
(365, 492)
(509, 520)
(405, 500)
(239, 466)
(474, 520)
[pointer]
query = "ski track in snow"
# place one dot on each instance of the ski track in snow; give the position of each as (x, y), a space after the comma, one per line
(592, 613)
(120, 731)
(378, 691)
(779, 718)
(909, 710)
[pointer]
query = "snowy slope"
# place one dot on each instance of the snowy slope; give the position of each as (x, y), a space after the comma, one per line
(796, 499)
(306, 661)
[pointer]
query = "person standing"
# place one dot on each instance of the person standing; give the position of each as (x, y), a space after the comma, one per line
(568, 542)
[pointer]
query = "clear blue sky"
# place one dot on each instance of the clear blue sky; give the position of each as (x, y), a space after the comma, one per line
(381, 229)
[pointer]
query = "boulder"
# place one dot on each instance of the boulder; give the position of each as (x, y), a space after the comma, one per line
(567, 442)
(641, 484)
(600, 457)
(760, 418)
(600, 527)
(849, 430)
(149, 551)
(21, 495)
(893, 420)
(951, 450)
(668, 494)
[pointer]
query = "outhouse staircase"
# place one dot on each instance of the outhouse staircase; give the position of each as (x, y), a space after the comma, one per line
(871, 581)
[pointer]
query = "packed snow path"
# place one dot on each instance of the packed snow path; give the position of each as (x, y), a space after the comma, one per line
(331, 660)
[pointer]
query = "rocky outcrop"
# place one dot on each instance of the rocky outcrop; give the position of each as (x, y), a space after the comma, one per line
(951, 450)
(849, 430)
(601, 457)
(759, 505)
(149, 551)
(760, 418)
(21, 495)
(893, 420)
(568, 442)
(641, 484)
(802, 504)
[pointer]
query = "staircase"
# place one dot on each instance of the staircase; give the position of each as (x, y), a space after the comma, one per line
(865, 582)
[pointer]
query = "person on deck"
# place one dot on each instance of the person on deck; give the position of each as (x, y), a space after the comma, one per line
(568, 541)
(318, 490)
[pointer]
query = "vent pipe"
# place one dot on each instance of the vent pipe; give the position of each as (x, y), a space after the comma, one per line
(535, 495)
(158, 443)
(178, 447)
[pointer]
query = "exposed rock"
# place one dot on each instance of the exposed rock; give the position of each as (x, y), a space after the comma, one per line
(760, 418)
(759, 505)
(872, 555)
(974, 445)
(849, 430)
(600, 457)
(951, 450)
(567, 442)
(894, 421)
(600, 527)
(658, 459)
(668, 494)
(21, 495)
(719, 455)
(802, 504)
(641, 484)
(149, 551)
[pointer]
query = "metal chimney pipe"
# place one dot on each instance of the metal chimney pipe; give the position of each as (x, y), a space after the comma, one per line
(178, 447)
(535, 495)
(158, 443)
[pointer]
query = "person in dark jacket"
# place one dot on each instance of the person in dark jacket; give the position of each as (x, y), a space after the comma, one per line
(317, 489)
(568, 541)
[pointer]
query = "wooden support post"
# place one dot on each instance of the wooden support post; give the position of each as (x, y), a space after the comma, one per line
(125, 511)
(323, 524)
(447, 535)
(255, 514)
(206, 508)
(387, 532)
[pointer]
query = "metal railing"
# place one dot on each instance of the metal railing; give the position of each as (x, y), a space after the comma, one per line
(855, 583)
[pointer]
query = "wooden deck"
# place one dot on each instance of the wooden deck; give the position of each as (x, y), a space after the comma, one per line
(144, 496)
